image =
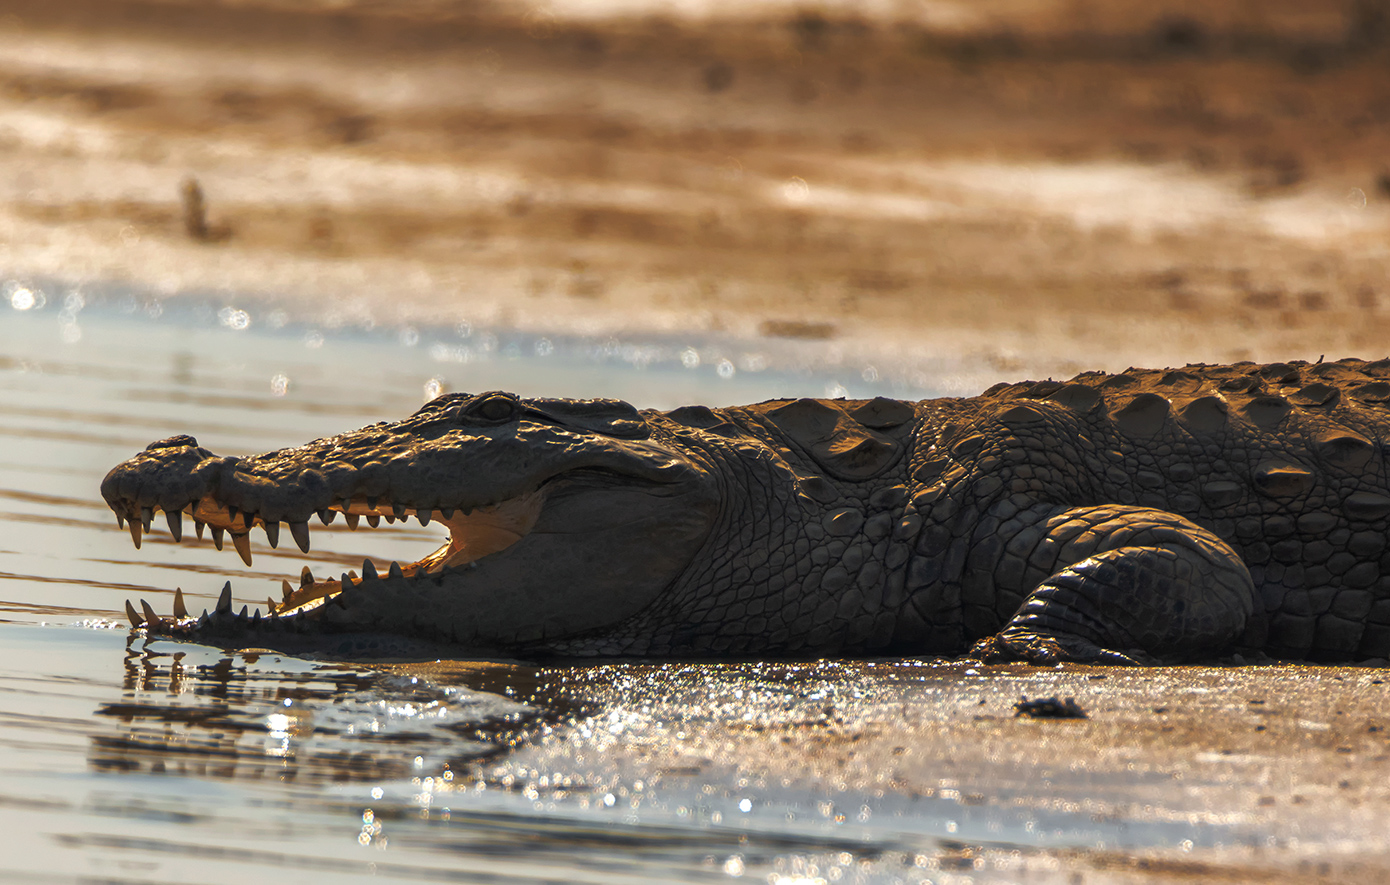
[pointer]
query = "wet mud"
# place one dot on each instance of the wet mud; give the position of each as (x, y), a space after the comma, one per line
(886, 771)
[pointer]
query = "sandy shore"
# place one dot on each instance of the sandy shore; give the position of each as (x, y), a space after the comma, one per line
(1024, 190)
(1250, 774)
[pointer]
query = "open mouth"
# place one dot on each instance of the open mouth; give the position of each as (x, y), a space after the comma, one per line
(474, 532)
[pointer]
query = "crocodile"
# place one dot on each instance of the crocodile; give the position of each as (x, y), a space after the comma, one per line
(1212, 512)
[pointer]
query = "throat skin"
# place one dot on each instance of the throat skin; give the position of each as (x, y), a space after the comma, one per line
(717, 585)
(793, 556)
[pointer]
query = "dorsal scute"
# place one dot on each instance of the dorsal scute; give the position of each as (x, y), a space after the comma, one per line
(1203, 400)
(1308, 386)
(848, 439)
(695, 416)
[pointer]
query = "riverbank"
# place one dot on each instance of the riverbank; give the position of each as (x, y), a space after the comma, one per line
(1030, 193)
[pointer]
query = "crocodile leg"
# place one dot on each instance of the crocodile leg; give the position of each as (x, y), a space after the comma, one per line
(1125, 585)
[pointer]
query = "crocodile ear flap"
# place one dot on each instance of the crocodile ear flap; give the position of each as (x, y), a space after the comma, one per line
(610, 417)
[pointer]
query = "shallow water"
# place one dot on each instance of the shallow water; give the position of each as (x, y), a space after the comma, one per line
(135, 761)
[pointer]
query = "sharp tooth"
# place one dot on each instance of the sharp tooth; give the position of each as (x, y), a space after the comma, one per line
(352, 520)
(175, 520)
(244, 610)
(423, 516)
(371, 502)
(147, 517)
(327, 516)
(352, 574)
(180, 610)
(368, 570)
(151, 618)
(135, 532)
(224, 601)
(287, 590)
(373, 520)
(256, 618)
(232, 514)
(300, 531)
(272, 533)
(398, 510)
(269, 605)
(120, 521)
(345, 580)
(306, 577)
(217, 536)
(242, 543)
(446, 512)
(347, 505)
(395, 570)
(390, 520)
(131, 615)
(198, 526)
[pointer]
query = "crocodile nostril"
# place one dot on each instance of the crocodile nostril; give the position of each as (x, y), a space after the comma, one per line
(173, 442)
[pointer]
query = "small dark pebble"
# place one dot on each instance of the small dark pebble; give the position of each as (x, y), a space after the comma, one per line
(1049, 708)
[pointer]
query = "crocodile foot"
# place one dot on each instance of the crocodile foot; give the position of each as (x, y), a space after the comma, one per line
(1046, 650)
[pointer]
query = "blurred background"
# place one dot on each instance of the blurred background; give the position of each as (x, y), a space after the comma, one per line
(1030, 187)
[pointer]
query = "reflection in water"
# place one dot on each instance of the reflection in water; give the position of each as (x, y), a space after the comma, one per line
(182, 372)
(442, 753)
(229, 719)
(682, 771)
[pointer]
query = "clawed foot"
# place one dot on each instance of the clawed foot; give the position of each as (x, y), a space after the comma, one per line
(1044, 650)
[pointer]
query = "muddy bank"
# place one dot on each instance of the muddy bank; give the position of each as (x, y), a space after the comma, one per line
(1036, 193)
(1184, 774)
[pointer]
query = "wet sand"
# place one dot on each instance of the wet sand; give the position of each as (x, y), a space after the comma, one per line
(1282, 772)
(1032, 189)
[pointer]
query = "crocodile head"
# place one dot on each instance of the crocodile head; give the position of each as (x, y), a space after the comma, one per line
(565, 517)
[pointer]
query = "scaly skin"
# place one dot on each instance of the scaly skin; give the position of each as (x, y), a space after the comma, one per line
(1151, 516)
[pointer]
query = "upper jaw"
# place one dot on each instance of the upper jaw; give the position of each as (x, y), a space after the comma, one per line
(430, 478)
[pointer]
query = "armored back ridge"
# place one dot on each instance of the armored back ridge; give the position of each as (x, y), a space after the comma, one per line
(1148, 516)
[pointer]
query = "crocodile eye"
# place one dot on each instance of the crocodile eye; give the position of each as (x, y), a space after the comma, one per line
(496, 408)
